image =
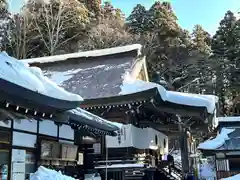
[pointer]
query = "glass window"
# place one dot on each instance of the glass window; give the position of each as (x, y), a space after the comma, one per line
(4, 162)
(234, 165)
(5, 137)
(30, 164)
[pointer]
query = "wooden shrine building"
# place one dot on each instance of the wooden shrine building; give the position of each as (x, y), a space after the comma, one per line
(36, 125)
(99, 75)
(225, 147)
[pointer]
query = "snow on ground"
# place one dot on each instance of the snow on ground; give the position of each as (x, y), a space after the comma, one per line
(207, 172)
(32, 78)
(94, 53)
(218, 141)
(48, 174)
(177, 156)
(131, 85)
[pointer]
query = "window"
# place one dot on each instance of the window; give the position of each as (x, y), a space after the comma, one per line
(5, 137)
(24, 139)
(156, 140)
(4, 162)
(234, 164)
(30, 163)
(164, 143)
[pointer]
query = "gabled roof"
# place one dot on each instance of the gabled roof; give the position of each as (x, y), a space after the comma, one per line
(25, 92)
(86, 54)
(92, 74)
(228, 139)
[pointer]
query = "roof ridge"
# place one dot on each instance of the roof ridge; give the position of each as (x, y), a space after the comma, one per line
(92, 53)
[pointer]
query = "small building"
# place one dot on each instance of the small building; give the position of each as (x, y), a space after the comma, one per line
(39, 121)
(101, 76)
(225, 147)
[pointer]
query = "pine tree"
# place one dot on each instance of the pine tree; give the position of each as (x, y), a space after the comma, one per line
(223, 48)
(94, 6)
(224, 39)
(200, 39)
(137, 21)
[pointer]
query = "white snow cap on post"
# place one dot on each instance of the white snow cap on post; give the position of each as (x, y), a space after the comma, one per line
(130, 86)
(32, 78)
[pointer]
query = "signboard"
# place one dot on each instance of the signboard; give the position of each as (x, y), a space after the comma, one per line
(97, 148)
(80, 159)
(69, 152)
(18, 155)
(50, 149)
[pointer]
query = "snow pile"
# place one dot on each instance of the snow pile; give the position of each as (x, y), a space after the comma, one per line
(131, 85)
(207, 172)
(48, 174)
(32, 78)
(236, 177)
(177, 156)
(94, 53)
(218, 141)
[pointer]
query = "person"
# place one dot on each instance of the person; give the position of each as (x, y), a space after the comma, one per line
(170, 159)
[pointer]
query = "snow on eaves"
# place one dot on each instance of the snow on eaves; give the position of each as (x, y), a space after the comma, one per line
(83, 113)
(133, 86)
(235, 177)
(218, 141)
(32, 78)
(94, 53)
(229, 119)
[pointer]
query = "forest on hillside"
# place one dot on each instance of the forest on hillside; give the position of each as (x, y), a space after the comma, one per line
(177, 59)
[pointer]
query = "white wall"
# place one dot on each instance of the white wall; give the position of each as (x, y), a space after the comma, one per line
(26, 125)
(24, 140)
(66, 132)
(126, 139)
(48, 127)
(138, 138)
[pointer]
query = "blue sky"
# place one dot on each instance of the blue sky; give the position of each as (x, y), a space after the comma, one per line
(207, 13)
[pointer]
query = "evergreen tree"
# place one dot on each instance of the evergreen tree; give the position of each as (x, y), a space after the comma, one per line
(94, 6)
(200, 39)
(224, 40)
(137, 21)
(223, 48)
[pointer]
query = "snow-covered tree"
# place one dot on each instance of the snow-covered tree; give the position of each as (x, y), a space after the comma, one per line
(5, 25)
(56, 23)
(106, 34)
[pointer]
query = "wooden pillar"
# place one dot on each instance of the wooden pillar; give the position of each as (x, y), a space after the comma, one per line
(183, 139)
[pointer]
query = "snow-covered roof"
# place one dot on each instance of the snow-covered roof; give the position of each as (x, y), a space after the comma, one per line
(218, 141)
(92, 118)
(94, 78)
(94, 53)
(235, 177)
(229, 119)
(133, 86)
(32, 78)
(120, 166)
